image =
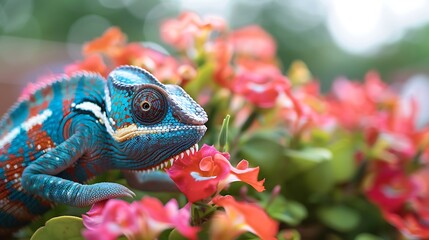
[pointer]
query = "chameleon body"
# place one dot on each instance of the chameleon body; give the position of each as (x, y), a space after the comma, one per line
(77, 127)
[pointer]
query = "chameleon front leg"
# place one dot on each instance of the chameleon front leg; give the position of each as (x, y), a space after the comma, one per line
(38, 177)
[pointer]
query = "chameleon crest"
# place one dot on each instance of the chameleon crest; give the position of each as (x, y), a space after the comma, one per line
(77, 127)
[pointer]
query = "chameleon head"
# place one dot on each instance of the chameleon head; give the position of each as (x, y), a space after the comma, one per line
(152, 123)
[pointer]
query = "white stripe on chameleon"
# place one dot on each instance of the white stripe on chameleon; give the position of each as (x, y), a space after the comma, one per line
(107, 99)
(26, 126)
(36, 120)
(96, 110)
(10, 136)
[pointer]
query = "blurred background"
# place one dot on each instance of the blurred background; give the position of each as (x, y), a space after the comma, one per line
(334, 37)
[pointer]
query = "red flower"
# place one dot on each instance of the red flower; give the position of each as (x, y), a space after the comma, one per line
(259, 82)
(409, 224)
(208, 171)
(240, 217)
(412, 218)
(391, 188)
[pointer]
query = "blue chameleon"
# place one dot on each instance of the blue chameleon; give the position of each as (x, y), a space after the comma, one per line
(69, 131)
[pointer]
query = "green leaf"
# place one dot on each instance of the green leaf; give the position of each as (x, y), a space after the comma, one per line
(343, 161)
(264, 150)
(175, 235)
(310, 155)
(340, 218)
(287, 211)
(289, 235)
(309, 173)
(367, 236)
(223, 135)
(204, 77)
(64, 227)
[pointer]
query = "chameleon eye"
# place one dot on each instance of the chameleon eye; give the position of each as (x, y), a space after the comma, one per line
(149, 106)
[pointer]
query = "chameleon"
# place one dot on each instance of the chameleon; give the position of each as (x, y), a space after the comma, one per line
(68, 131)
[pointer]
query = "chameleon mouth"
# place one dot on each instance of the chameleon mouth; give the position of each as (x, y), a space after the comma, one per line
(166, 164)
(132, 131)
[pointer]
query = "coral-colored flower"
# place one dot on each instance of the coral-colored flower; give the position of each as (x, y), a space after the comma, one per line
(222, 52)
(110, 43)
(92, 63)
(240, 217)
(208, 171)
(113, 46)
(144, 219)
(259, 82)
(253, 42)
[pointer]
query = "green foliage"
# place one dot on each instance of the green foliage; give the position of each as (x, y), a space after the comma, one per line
(175, 235)
(223, 135)
(339, 218)
(263, 150)
(204, 78)
(367, 236)
(286, 211)
(343, 165)
(310, 174)
(64, 227)
(289, 235)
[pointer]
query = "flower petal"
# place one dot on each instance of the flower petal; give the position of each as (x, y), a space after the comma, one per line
(255, 219)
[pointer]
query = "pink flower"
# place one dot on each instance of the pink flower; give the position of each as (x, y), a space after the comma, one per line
(253, 42)
(303, 108)
(188, 29)
(154, 218)
(356, 104)
(109, 220)
(240, 217)
(145, 219)
(208, 171)
(259, 82)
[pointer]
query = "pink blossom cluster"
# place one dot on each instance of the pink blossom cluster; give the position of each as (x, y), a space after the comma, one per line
(200, 176)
